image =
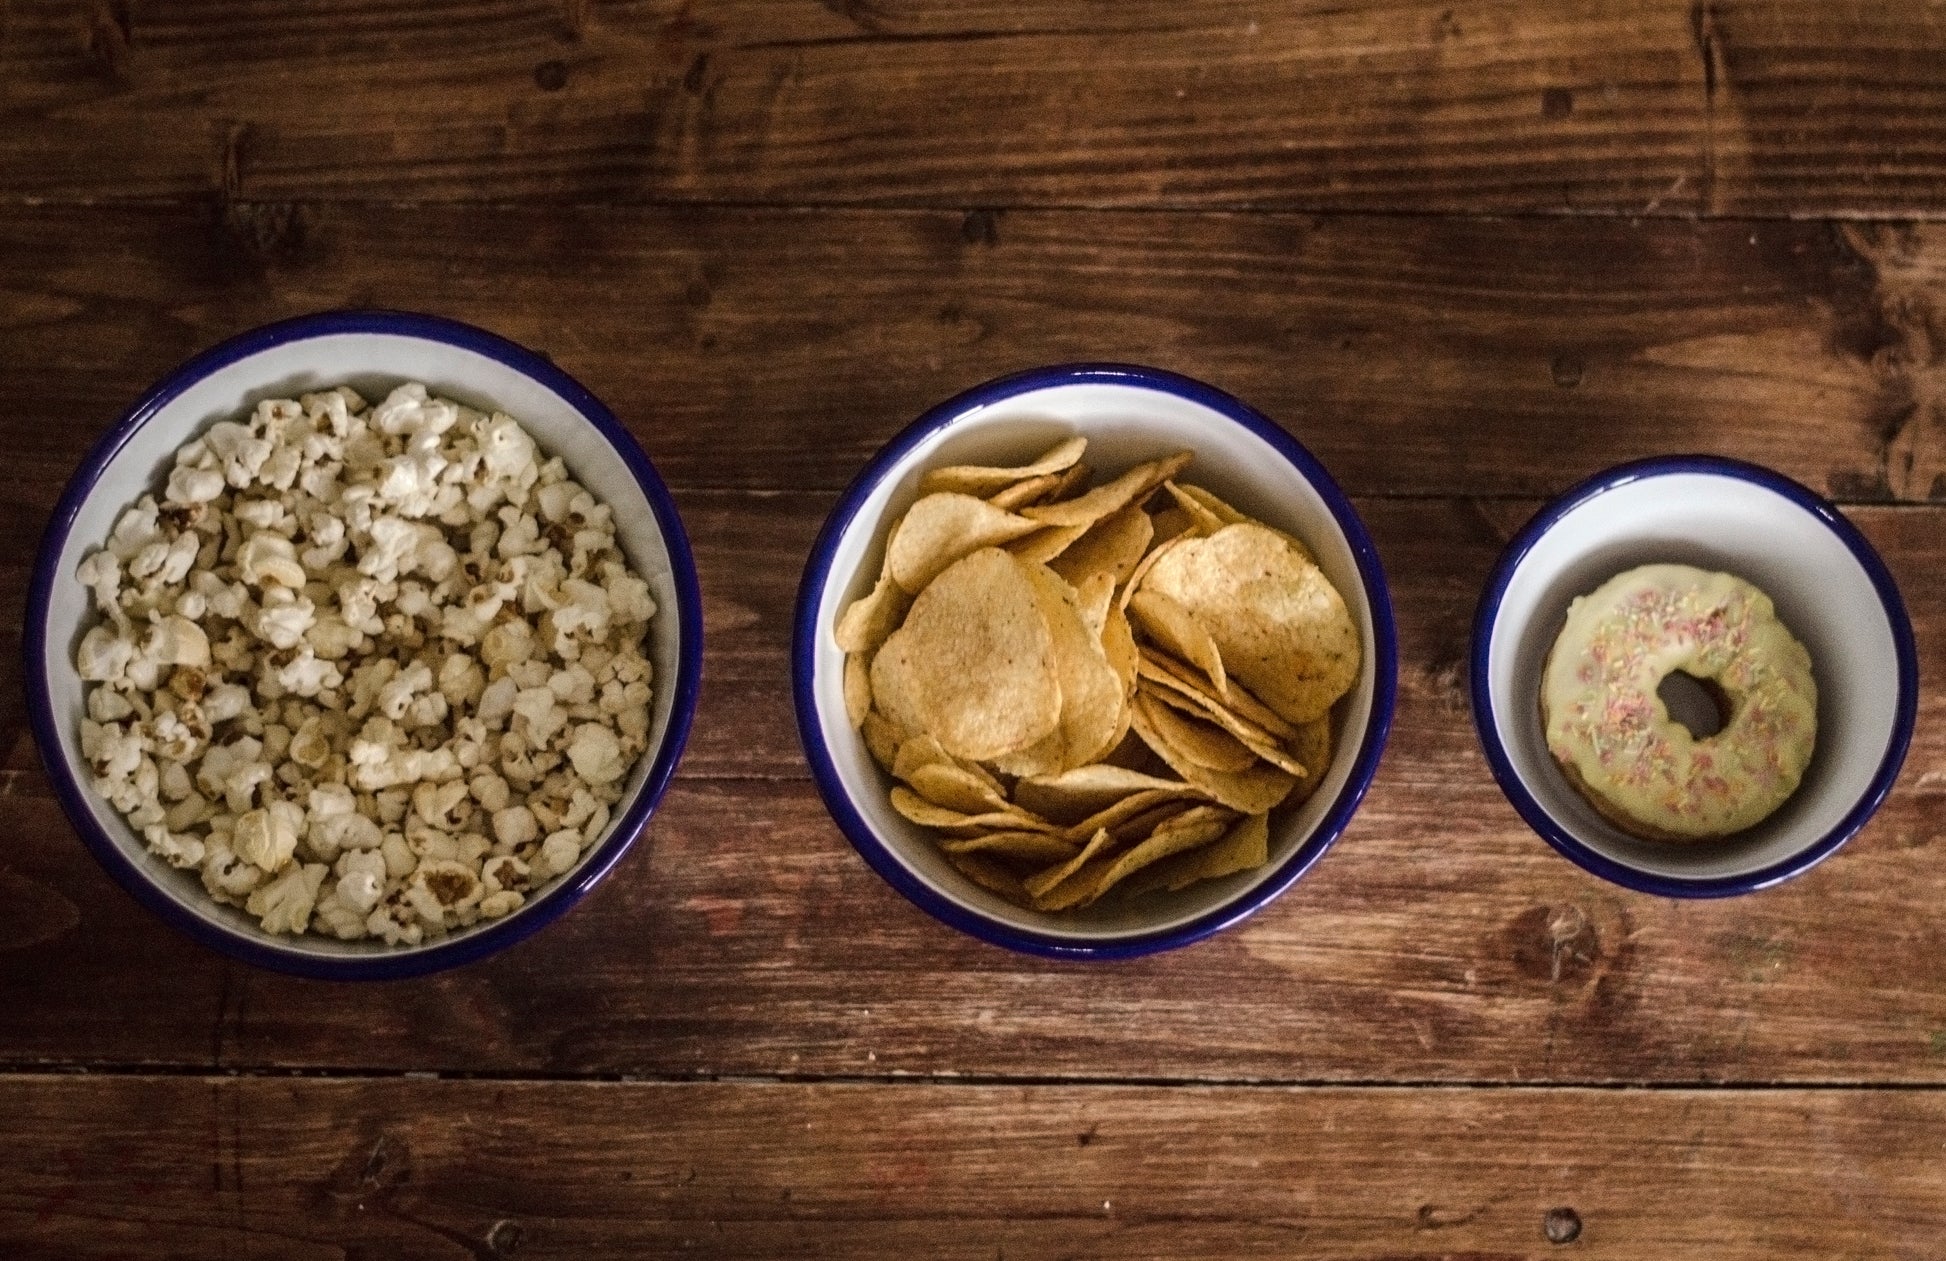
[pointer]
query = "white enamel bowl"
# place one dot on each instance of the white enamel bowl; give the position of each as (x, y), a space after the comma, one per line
(372, 351)
(1128, 414)
(1830, 588)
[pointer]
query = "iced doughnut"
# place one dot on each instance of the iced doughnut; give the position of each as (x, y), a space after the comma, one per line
(1613, 735)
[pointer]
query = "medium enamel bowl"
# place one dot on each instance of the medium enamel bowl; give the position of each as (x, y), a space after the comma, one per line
(1830, 588)
(371, 351)
(1128, 414)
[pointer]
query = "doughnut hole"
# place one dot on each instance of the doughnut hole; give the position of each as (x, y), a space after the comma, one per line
(1700, 706)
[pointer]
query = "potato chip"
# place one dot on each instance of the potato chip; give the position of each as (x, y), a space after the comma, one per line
(1074, 480)
(1139, 826)
(1112, 817)
(1031, 491)
(991, 876)
(1041, 882)
(1118, 645)
(1201, 520)
(1223, 514)
(1113, 545)
(1312, 747)
(1131, 487)
(1073, 795)
(928, 814)
(1134, 583)
(1169, 672)
(957, 788)
(1170, 523)
(941, 529)
(977, 479)
(1043, 757)
(1215, 506)
(1249, 734)
(1090, 690)
(870, 619)
(1171, 628)
(974, 663)
(1033, 847)
(1073, 891)
(920, 750)
(1203, 743)
(1281, 627)
(1047, 543)
(1253, 791)
(1095, 596)
(923, 750)
(1187, 831)
(1096, 875)
(882, 739)
(1244, 848)
(858, 688)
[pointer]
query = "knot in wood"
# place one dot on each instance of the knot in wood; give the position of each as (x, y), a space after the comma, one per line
(1555, 944)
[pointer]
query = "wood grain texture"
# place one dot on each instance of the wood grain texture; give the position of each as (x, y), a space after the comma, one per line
(1503, 106)
(1498, 105)
(1840, 106)
(1651, 107)
(1414, 355)
(1440, 941)
(304, 1169)
(770, 232)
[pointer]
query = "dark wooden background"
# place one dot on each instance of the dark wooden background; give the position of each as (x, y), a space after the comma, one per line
(1469, 251)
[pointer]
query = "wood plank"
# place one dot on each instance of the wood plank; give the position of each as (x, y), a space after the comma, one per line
(1664, 107)
(1833, 105)
(1440, 941)
(1498, 104)
(327, 1168)
(1415, 355)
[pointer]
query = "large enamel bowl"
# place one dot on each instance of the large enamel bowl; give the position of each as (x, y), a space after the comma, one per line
(372, 352)
(1128, 414)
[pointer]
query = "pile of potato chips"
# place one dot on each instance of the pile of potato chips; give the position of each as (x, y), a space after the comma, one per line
(1078, 694)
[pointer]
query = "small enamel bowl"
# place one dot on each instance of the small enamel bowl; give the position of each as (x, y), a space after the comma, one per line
(372, 351)
(1128, 414)
(1830, 588)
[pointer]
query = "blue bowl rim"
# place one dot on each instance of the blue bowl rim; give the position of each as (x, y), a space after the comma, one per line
(806, 631)
(1487, 615)
(402, 961)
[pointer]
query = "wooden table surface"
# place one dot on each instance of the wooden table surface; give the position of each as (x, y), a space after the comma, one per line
(1468, 251)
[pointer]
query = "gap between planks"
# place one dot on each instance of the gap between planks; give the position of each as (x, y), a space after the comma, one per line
(948, 205)
(273, 1072)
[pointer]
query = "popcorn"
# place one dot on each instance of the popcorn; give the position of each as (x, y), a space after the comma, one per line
(557, 853)
(103, 656)
(515, 827)
(284, 619)
(265, 838)
(371, 672)
(597, 754)
(234, 772)
(284, 905)
(361, 880)
(176, 850)
(269, 558)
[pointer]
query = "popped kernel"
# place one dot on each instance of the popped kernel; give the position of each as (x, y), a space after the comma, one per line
(369, 671)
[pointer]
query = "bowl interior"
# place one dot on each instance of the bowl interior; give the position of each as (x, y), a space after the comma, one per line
(1822, 593)
(372, 363)
(1124, 424)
